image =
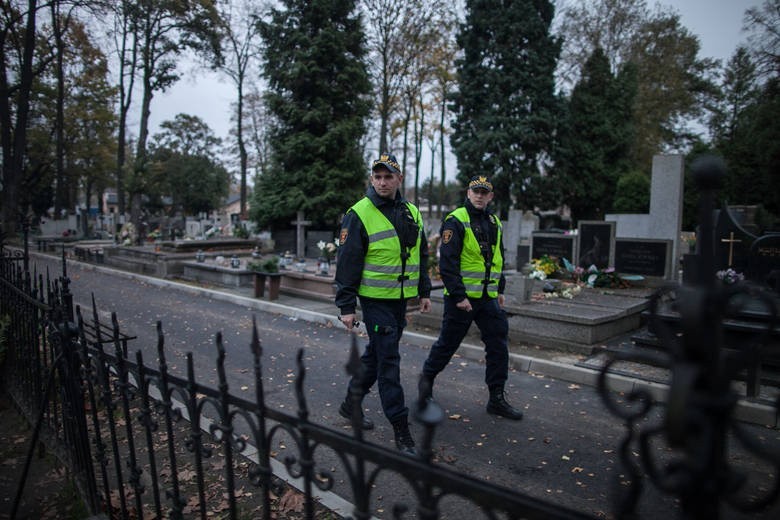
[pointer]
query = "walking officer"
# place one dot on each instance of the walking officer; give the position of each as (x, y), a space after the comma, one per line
(383, 262)
(470, 262)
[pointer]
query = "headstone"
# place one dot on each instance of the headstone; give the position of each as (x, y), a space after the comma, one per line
(193, 229)
(647, 257)
(745, 216)
(517, 232)
(528, 224)
(664, 221)
(596, 244)
(764, 261)
(300, 234)
(731, 242)
(284, 240)
(523, 255)
(553, 244)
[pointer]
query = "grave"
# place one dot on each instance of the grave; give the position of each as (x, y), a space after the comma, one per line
(731, 241)
(213, 273)
(646, 257)
(757, 256)
(578, 325)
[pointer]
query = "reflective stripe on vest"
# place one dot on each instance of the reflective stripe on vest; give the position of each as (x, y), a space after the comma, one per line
(472, 263)
(383, 275)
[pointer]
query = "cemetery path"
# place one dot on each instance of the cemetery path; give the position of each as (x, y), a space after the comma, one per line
(563, 451)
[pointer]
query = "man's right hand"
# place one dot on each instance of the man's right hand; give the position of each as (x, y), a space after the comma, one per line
(348, 320)
(464, 305)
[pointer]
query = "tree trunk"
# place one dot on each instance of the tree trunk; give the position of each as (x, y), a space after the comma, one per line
(241, 145)
(442, 185)
(14, 147)
(61, 188)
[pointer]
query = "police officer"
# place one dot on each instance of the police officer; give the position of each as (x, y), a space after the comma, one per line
(383, 261)
(470, 262)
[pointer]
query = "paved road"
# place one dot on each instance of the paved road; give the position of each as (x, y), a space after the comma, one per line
(564, 450)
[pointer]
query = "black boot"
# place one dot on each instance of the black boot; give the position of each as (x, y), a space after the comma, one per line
(497, 405)
(424, 388)
(345, 410)
(403, 437)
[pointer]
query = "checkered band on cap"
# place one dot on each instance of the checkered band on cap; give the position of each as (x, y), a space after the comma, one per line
(388, 161)
(480, 182)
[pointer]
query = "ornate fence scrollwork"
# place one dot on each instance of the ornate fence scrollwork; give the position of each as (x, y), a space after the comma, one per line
(699, 411)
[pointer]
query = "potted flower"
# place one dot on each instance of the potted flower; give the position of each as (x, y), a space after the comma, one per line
(266, 268)
(327, 253)
(269, 265)
(154, 236)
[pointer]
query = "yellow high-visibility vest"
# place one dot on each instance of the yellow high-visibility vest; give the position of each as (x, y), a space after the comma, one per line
(473, 268)
(384, 274)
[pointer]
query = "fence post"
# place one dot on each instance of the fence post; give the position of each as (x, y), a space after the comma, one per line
(65, 341)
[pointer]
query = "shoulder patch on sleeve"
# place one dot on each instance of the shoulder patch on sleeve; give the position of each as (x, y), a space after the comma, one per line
(343, 236)
(447, 236)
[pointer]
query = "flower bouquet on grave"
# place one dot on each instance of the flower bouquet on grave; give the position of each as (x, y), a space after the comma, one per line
(544, 267)
(729, 276)
(327, 250)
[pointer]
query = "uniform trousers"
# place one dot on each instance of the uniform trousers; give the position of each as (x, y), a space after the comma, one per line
(381, 362)
(493, 327)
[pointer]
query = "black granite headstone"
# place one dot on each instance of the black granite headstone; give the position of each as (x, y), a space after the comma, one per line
(552, 244)
(643, 256)
(731, 242)
(597, 244)
(764, 260)
(284, 240)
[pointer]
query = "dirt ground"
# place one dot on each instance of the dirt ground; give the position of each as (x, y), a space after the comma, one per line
(46, 493)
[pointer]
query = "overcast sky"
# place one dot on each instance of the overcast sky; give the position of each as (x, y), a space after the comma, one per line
(717, 23)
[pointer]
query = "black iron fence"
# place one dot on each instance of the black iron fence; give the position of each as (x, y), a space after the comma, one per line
(137, 440)
(142, 442)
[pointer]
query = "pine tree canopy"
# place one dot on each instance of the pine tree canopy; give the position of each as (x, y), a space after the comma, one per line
(318, 95)
(505, 107)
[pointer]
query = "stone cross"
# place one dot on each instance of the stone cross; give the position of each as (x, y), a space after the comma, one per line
(730, 241)
(300, 235)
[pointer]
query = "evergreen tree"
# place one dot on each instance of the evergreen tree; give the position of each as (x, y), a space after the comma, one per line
(595, 138)
(318, 95)
(746, 133)
(505, 108)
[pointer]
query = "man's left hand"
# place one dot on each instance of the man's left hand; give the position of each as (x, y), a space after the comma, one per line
(501, 300)
(425, 305)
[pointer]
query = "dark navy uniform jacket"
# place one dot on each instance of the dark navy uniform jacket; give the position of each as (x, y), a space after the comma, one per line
(449, 251)
(353, 251)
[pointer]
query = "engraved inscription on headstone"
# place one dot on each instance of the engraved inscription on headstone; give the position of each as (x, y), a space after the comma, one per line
(552, 244)
(645, 257)
(764, 261)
